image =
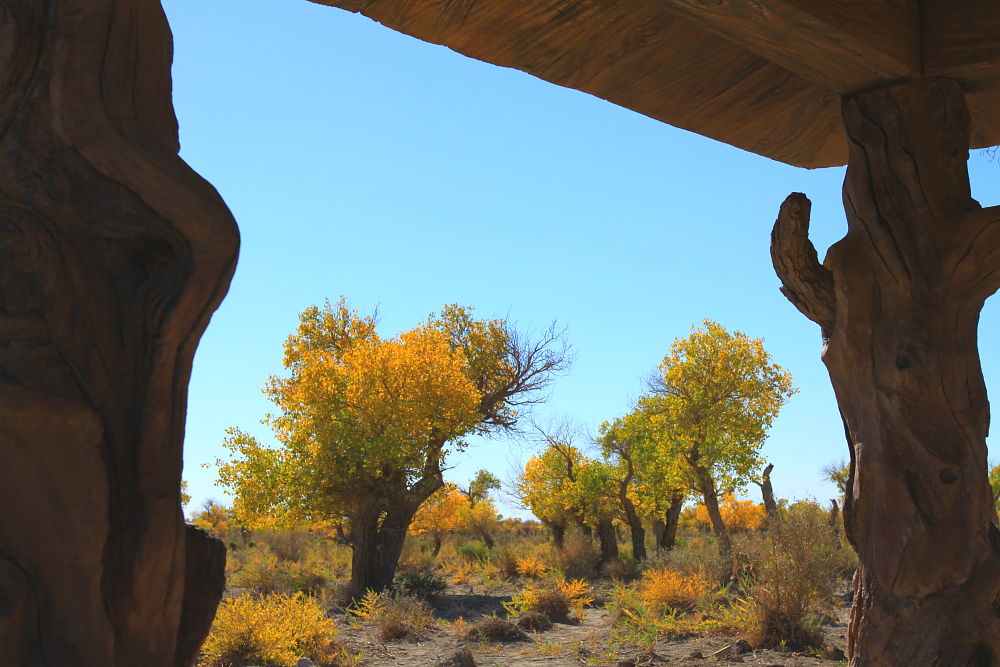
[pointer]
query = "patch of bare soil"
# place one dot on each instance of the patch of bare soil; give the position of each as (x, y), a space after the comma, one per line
(588, 642)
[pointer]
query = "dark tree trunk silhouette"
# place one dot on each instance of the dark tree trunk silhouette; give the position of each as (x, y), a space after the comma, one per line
(377, 538)
(767, 492)
(666, 530)
(558, 531)
(898, 301)
(114, 256)
(608, 538)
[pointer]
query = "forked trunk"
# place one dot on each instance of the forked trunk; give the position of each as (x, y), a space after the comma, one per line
(636, 530)
(898, 301)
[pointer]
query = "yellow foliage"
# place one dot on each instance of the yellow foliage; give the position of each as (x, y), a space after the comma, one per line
(531, 566)
(272, 630)
(672, 589)
(736, 514)
(440, 513)
(557, 600)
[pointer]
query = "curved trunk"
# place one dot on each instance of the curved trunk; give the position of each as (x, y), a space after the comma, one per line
(898, 301)
(711, 498)
(666, 530)
(608, 539)
(115, 254)
(638, 533)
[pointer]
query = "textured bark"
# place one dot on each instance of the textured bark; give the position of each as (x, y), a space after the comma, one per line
(767, 492)
(113, 255)
(908, 283)
(377, 539)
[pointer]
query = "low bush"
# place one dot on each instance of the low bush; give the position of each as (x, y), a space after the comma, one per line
(534, 621)
(421, 583)
(474, 552)
(578, 559)
(494, 629)
(680, 592)
(531, 566)
(394, 616)
(263, 572)
(794, 567)
(270, 630)
(559, 600)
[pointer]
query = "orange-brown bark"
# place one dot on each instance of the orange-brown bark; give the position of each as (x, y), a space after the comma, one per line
(113, 255)
(906, 286)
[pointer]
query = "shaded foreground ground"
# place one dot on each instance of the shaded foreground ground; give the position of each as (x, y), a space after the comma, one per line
(589, 642)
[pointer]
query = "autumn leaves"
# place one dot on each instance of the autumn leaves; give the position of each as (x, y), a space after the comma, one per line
(363, 425)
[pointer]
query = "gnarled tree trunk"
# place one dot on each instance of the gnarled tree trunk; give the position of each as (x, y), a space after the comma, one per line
(113, 255)
(898, 301)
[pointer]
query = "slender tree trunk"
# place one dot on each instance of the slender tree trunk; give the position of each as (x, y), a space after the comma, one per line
(608, 539)
(898, 301)
(835, 520)
(437, 546)
(711, 498)
(668, 536)
(114, 255)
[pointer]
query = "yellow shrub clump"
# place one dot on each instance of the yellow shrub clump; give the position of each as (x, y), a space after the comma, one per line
(531, 566)
(270, 630)
(558, 600)
(675, 590)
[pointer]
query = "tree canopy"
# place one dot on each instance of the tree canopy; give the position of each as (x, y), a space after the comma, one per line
(364, 423)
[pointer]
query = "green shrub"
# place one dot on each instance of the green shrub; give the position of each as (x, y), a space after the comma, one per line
(474, 552)
(421, 583)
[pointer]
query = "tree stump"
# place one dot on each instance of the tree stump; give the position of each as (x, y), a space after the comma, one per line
(898, 300)
(113, 255)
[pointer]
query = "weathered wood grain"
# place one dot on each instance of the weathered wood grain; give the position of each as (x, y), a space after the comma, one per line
(844, 47)
(909, 281)
(113, 255)
(765, 76)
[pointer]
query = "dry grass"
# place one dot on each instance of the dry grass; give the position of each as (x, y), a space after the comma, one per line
(495, 629)
(794, 568)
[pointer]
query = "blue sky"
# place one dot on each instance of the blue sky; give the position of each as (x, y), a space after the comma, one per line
(401, 175)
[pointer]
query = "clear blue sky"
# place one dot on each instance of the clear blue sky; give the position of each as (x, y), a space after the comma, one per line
(365, 163)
